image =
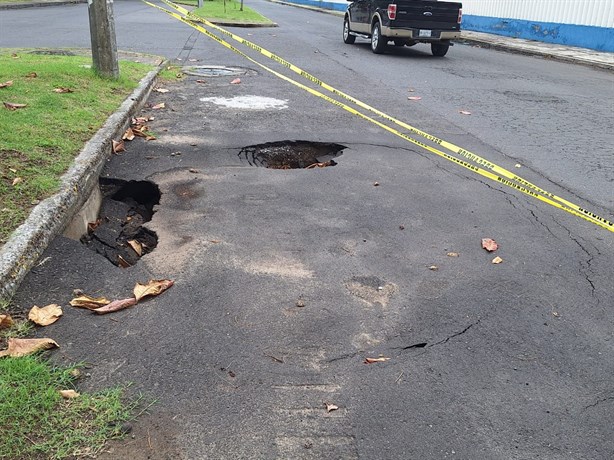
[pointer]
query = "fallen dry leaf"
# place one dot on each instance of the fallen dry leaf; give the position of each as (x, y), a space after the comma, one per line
(24, 347)
(497, 260)
(63, 90)
(116, 305)
(411, 90)
(375, 184)
(331, 407)
(118, 146)
(136, 246)
(141, 120)
(32, 75)
(128, 135)
(6, 321)
(434, 268)
(161, 90)
(201, 81)
(381, 359)
(15, 56)
(11, 106)
(89, 302)
(453, 254)
(161, 105)
(153, 287)
(6, 84)
(517, 165)
(489, 244)
(193, 170)
(69, 394)
(46, 315)
(415, 98)
(17, 180)
(236, 81)
(123, 263)
(464, 112)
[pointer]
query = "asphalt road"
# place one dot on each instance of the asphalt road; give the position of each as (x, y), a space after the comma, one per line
(508, 361)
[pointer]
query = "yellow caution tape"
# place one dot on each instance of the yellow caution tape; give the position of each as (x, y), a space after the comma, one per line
(498, 173)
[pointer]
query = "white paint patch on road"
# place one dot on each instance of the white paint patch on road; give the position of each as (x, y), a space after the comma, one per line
(248, 102)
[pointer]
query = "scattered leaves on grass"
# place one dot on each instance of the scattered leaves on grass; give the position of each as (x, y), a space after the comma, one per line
(6, 321)
(161, 90)
(330, 407)
(136, 246)
(380, 359)
(12, 106)
(17, 180)
(118, 146)
(63, 90)
(453, 254)
(464, 112)
(46, 315)
(6, 84)
(497, 260)
(152, 288)
(15, 56)
(116, 305)
(161, 105)
(236, 81)
(69, 394)
(89, 302)
(489, 244)
(24, 347)
(415, 98)
(32, 75)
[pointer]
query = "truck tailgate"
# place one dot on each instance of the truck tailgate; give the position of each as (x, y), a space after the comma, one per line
(427, 15)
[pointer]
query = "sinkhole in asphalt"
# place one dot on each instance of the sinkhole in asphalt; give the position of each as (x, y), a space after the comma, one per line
(216, 71)
(292, 154)
(118, 233)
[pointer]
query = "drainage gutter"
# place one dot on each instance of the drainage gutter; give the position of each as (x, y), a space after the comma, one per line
(50, 217)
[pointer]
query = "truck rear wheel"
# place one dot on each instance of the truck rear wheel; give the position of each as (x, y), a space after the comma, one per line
(439, 49)
(378, 42)
(347, 37)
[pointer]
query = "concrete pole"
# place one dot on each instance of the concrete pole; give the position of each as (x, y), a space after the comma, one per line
(200, 3)
(102, 33)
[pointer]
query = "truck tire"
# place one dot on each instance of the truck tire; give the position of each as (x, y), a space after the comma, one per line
(347, 37)
(378, 41)
(439, 49)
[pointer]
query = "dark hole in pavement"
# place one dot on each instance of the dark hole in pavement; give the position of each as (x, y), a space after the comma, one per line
(118, 234)
(292, 154)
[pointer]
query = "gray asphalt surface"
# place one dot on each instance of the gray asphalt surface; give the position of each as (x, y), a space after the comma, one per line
(509, 361)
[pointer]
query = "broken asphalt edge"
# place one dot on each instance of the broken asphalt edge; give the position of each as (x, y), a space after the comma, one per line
(50, 217)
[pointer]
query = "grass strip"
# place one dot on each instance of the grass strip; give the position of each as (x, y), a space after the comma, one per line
(40, 141)
(36, 422)
(229, 10)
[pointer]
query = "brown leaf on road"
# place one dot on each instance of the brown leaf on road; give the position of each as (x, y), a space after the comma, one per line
(123, 263)
(136, 246)
(161, 105)
(434, 268)
(6, 84)
(415, 98)
(6, 321)
(464, 112)
(161, 90)
(12, 106)
(152, 288)
(63, 90)
(497, 260)
(236, 81)
(118, 146)
(116, 305)
(201, 81)
(489, 244)
(69, 394)
(89, 302)
(24, 347)
(381, 359)
(453, 254)
(331, 407)
(46, 315)
(128, 135)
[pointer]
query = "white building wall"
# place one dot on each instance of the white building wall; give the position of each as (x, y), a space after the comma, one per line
(598, 13)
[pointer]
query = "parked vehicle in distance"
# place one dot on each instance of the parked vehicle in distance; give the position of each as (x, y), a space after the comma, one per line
(404, 22)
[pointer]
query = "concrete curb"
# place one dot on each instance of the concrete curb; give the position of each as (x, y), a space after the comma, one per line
(50, 217)
(14, 6)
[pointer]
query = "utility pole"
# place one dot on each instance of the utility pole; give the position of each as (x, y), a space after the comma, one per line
(102, 33)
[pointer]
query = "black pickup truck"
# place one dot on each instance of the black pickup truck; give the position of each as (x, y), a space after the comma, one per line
(404, 22)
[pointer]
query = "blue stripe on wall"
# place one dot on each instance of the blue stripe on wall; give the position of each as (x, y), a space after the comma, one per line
(321, 4)
(597, 38)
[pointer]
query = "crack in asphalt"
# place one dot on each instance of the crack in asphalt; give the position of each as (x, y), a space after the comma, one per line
(424, 345)
(598, 402)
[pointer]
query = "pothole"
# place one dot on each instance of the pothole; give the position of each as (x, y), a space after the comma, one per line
(292, 154)
(118, 233)
(216, 71)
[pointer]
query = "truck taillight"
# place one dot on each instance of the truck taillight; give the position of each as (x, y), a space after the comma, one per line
(460, 15)
(392, 11)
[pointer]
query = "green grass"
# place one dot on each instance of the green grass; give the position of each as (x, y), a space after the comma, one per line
(229, 11)
(39, 142)
(37, 423)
